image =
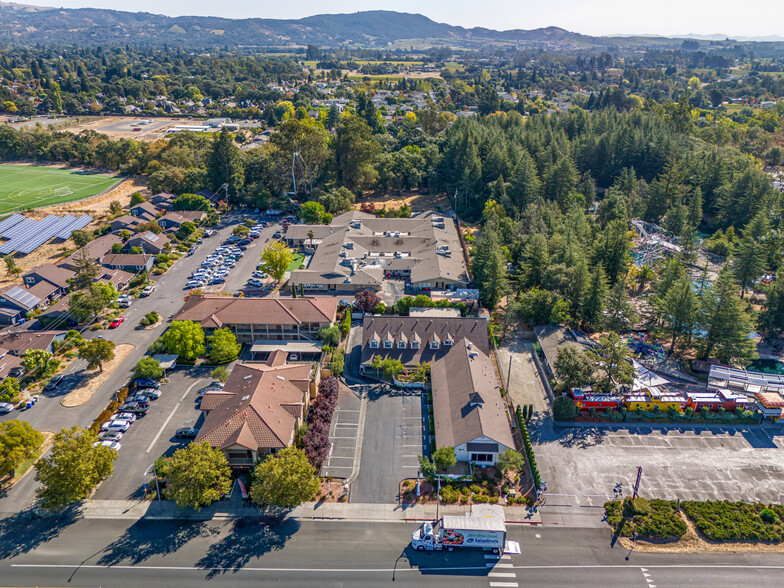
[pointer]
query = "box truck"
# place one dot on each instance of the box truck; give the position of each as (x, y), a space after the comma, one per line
(483, 527)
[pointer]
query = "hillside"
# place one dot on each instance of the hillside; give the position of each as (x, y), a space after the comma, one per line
(378, 28)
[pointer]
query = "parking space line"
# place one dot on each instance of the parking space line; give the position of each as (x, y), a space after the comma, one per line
(171, 414)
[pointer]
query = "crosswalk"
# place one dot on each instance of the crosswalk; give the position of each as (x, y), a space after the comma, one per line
(501, 569)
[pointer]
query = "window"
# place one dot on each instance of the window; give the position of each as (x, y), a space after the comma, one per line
(448, 342)
(401, 344)
(374, 344)
(434, 345)
(30, 280)
(414, 344)
(387, 344)
(482, 457)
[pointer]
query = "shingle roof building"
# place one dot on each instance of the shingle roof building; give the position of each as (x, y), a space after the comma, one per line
(358, 250)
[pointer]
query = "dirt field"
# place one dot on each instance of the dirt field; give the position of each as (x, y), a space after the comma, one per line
(97, 207)
(121, 127)
(417, 201)
(93, 380)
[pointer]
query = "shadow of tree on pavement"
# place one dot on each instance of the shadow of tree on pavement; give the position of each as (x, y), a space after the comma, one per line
(28, 529)
(145, 539)
(249, 539)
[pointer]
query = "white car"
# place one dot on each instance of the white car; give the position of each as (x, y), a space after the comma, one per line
(118, 425)
(110, 444)
(150, 393)
(260, 275)
(110, 435)
(194, 284)
(123, 416)
(256, 282)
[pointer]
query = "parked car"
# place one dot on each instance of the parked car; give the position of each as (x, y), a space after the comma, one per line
(256, 282)
(123, 416)
(147, 383)
(216, 387)
(110, 444)
(149, 289)
(119, 425)
(116, 322)
(277, 235)
(194, 284)
(186, 433)
(242, 242)
(150, 393)
(140, 398)
(259, 274)
(54, 382)
(209, 233)
(110, 435)
(192, 250)
(135, 407)
(124, 301)
(6, 407)
(216, 281)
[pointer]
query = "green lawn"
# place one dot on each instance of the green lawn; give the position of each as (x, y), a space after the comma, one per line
(297, 263)
(29, 186)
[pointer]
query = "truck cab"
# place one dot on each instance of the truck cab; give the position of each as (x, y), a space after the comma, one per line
(424, 539)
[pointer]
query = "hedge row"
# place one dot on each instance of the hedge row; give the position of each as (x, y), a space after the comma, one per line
(110, 409)
(529, 450)
(316, 440)
(654, 520)
(736, 521)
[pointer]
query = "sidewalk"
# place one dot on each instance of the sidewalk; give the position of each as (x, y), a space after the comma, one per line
(310, 511)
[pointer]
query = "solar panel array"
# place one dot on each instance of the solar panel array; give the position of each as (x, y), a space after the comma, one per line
(12, 220)
(26, 235)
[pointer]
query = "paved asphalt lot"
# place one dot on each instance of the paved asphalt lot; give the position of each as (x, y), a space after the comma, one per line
(343, 435)
(291, 553)
(153, 435)
(167, 299)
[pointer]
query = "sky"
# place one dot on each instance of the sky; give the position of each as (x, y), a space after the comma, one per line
(596, 17)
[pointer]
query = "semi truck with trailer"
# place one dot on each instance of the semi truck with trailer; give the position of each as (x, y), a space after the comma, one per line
(483, 527)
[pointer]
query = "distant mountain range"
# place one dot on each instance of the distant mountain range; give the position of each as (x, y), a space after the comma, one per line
(378, 29)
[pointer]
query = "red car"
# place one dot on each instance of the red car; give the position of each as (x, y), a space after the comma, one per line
(116, 322)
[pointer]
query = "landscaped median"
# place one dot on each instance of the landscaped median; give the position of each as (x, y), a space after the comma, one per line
(697, 526)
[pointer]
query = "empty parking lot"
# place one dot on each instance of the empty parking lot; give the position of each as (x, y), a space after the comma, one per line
(583, 464)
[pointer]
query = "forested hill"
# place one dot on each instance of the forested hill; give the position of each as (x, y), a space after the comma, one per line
(30, 25)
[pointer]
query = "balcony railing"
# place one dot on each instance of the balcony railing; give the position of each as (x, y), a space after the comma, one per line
(240, 462)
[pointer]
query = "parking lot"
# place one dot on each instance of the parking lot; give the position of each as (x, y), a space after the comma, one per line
(392, 443)
(343, 435)
(152, 435)
(581, 465)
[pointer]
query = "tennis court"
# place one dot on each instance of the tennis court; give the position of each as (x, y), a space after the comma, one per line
(28, 186)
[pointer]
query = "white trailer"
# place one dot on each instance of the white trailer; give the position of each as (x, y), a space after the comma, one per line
(484, 527)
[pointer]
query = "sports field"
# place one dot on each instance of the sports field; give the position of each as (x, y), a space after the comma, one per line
(28, 186)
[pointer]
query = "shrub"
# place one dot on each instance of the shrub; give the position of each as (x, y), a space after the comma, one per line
(768, 516)
(316, 440)
(657, 520)
(480, 498)
(449, 494)
(735, 521)
(564, 409)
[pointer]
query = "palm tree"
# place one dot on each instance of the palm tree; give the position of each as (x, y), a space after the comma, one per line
(311, 234)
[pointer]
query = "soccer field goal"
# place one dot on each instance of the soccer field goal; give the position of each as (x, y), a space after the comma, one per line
(61, 192)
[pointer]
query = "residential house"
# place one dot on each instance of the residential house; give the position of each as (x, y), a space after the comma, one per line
(130, 262)
(18, 342)
(172, 221)
(149, 242)
(125, 222)
(95, 250)
(414, 340)
(257, 412)
(57, 316)
(254, 320)
(118, 278)
(163, 200)
(468, 408)
(11, 316)
(19, 298)
(49, 274)
(145, 211)
(10, 365)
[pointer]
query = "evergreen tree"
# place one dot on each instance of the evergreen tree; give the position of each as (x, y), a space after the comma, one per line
(489, 267)
(536, 260)
(678, 311)
(771, 318)
(593, 307)
(749, 260)
(620, 314)
(225, 164)
(578, 287)
(726, 323)
(612, 250)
